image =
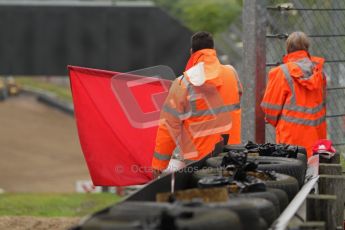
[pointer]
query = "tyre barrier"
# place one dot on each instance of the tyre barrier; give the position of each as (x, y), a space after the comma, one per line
(303, 158)
(289, 166)
(301, 151)
(3, 94)
(53, 102)
(155, 216)
(266, 203)
(248, 210)
(249, 214)
(288, 184)
(235, 148)
(237, 213)
(282, 197)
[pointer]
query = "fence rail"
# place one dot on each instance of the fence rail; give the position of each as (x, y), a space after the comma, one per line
(327, 61)
(335, 88)
(285, 36)
(281, 8)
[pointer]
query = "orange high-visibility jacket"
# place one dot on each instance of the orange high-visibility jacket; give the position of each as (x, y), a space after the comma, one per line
(235, 98)
(294, 101)
(197, 110)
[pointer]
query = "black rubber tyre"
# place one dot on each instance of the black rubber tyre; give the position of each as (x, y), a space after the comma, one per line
(205, 172)
(126, 216)
(286, 183)
(302, 157)
(302, 150)
(262, 223)
(208, 219)
(265, 202)
(235, 148)
(152, 215)
(214, 162)
(277, 197)
(288, 166)
(282, 197)
(246, 211)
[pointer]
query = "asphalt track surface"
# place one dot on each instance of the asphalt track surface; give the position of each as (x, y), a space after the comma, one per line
(39, 148)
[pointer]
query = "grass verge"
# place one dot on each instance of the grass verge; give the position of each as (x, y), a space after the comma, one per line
(62, 92)
(54, 205)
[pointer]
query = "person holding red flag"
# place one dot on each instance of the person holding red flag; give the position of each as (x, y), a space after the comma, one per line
(199, 107)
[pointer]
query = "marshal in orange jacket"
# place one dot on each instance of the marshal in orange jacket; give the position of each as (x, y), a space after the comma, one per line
(294, 100)
(197, 110)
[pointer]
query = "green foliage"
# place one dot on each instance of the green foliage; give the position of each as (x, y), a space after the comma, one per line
(53, 205)
(210, 15)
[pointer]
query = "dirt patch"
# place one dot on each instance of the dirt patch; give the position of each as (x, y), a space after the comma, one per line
(37, 223)
(39, 148)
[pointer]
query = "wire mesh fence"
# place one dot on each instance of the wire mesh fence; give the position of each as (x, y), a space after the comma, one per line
(324, 22)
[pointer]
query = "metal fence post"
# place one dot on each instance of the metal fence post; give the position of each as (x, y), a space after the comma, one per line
(322, 208)
(254, 72)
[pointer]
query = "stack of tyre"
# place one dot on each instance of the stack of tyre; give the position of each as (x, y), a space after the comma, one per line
(247, 210)
(3, 91)
(258, 209)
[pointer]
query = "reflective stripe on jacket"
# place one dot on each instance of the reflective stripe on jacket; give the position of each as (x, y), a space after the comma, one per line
(294, 100)
(196, 111)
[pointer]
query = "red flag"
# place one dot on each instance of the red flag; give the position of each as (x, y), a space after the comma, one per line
(116, 152)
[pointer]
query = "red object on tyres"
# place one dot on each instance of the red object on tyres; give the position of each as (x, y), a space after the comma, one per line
(116, 153)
